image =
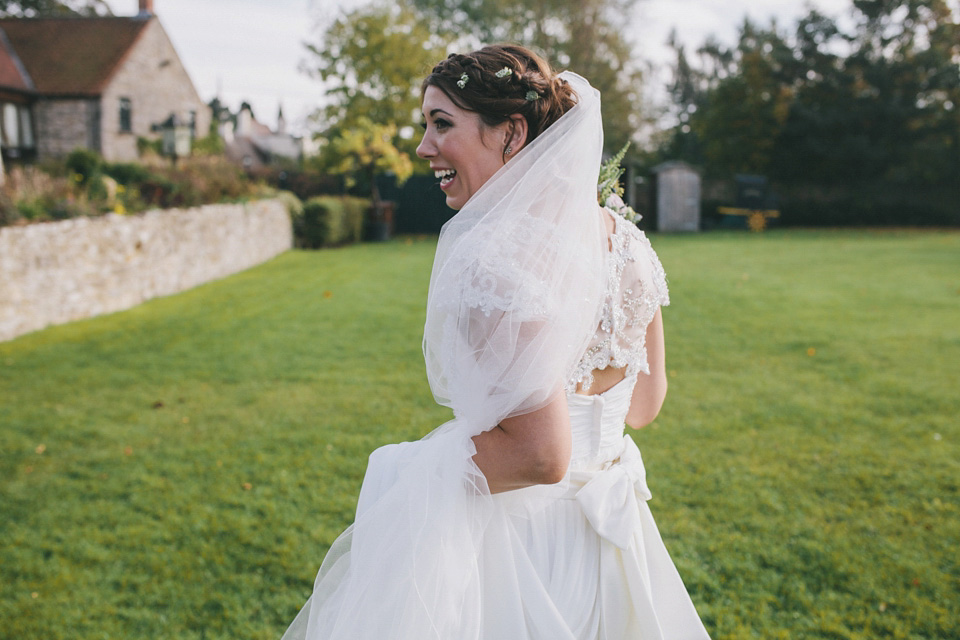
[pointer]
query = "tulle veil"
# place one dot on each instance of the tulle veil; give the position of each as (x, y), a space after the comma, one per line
(513, 301)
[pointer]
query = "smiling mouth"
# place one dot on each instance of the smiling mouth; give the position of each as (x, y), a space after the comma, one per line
(445, 176)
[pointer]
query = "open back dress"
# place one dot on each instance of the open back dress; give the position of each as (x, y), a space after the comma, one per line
(529, 294)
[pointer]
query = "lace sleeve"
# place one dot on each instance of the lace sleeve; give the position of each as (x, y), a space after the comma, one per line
(514, 288)
(636, 286)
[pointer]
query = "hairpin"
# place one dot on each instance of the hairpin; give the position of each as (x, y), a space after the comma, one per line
(532, 95)
(464, 79)
(503, 73)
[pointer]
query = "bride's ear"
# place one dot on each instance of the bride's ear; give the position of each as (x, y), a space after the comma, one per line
(515, 135)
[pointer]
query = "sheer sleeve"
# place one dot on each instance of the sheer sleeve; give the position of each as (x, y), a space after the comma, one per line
(518, 280)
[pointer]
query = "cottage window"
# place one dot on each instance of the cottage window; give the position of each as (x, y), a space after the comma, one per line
(126, 115)
(193, 124)
(11, 126)
(26, 127)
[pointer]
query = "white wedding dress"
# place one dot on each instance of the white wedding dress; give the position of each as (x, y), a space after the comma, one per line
(582, 559)
(596, 567)
(528, 295)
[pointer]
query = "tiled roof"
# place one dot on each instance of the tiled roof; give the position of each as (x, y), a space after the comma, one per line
(12, 73)
(71, 56)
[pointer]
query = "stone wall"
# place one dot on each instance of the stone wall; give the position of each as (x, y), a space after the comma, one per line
(61, 271)
(64, 125)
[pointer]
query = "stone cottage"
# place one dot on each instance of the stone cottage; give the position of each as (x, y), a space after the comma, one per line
(95, 83)
(253, 145)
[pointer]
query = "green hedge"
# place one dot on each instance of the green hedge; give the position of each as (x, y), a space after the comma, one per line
(329, 221)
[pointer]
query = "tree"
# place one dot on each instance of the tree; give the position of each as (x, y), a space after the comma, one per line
(48, 8)
(737, 112)
(372, 60)
(866, 120)
(365, 148)
(879, 102)
(584, 36)
(906, 67)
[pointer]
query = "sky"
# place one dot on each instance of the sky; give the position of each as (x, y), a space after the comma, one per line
(253, 49)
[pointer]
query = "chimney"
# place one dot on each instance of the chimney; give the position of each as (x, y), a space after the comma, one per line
(146, 7)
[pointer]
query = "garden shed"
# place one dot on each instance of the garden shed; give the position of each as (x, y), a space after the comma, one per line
(677, 194)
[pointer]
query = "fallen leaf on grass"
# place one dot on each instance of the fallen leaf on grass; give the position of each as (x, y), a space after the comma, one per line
(247, 486)
(41, 448)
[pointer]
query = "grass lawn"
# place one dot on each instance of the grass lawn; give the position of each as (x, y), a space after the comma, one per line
(178, 470)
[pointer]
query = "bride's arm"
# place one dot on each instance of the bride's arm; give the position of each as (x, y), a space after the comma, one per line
(533, 448)
(650, 391)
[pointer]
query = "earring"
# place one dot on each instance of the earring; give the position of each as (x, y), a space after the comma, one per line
(508, 150)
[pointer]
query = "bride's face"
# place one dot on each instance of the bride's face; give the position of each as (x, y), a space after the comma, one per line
(462, 151)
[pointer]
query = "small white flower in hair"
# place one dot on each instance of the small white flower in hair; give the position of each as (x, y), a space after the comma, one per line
(532, 95)
(464, 79)
(503, 73)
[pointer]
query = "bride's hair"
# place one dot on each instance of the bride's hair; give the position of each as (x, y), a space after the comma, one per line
(478, 82)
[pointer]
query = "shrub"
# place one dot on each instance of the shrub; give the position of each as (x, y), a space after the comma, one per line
(320, 223)
(85, 163)
(97, 188)
(34, 209)
(146, 146)
(209, 145)
(127, 173)
(36, 196)
(9, 213)
(83, 184)
(211, 179)
(291, 202)
(355, 214)
(330, 221)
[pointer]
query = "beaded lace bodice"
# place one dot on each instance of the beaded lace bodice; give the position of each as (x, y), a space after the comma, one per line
(636, 286)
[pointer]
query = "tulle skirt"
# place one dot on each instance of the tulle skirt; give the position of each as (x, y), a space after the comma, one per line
(433, 555)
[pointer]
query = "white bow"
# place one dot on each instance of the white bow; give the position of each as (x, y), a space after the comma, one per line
(608, 498)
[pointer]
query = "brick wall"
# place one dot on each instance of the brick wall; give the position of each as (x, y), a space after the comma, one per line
(61, 271)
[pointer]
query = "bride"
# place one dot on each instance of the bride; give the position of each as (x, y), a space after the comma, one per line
(524, 517)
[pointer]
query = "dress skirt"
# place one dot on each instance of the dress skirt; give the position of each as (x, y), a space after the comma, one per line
(580, 560)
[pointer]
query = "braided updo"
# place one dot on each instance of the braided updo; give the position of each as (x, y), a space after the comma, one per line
(530, 89)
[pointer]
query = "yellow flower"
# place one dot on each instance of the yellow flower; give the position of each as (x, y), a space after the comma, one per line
(119, 208)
